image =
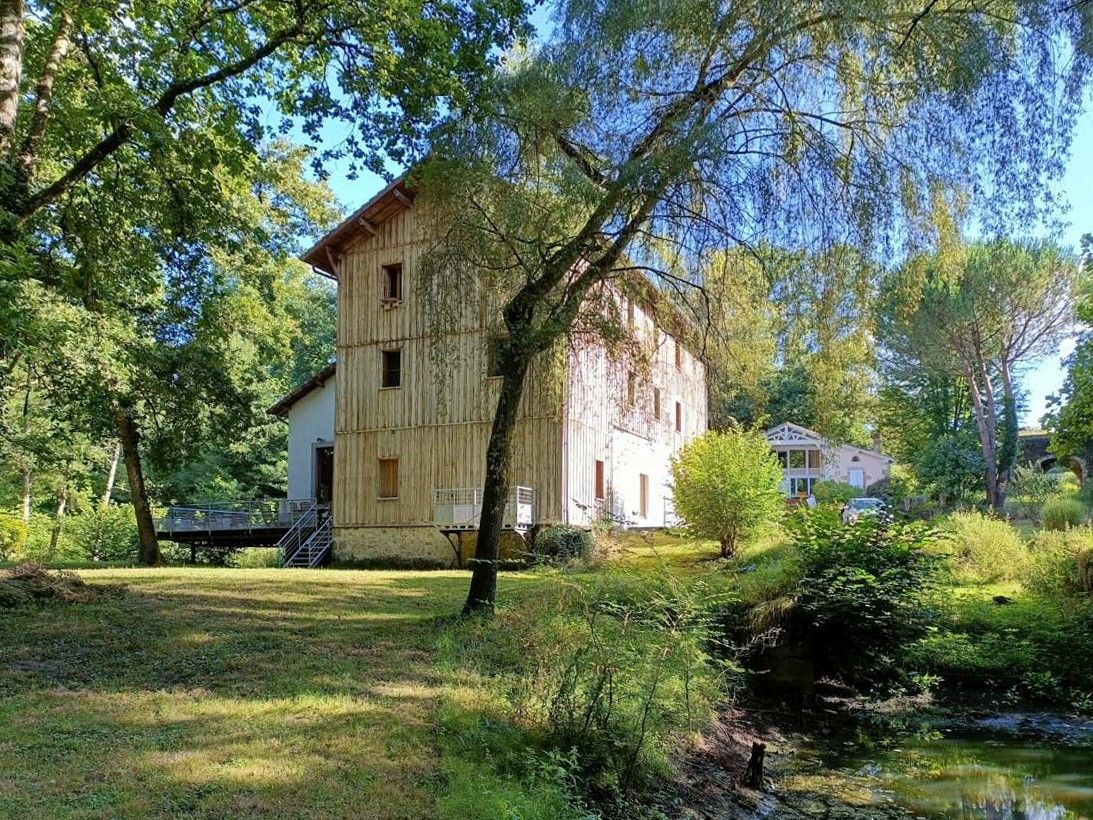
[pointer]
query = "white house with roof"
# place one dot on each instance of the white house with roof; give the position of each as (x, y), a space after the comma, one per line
(807, 457)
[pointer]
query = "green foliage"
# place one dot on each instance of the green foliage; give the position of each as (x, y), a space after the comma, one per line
(727, 486)
(1029, 488)
(1062, 562)
(863, 593)
(828, 491)
(984, 548)
(1061, 512)
(605, 675)
(13, 534)
(900, 486)
(564, 542)
(104, 534)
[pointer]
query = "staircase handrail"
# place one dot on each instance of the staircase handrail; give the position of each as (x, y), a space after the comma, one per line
(300, 531)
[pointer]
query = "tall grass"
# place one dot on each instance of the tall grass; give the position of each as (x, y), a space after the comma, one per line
(984, 549)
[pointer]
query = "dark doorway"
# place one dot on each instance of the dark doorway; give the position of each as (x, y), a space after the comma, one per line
(324, 474)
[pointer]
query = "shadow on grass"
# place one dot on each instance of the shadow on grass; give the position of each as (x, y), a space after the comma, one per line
(228, 693)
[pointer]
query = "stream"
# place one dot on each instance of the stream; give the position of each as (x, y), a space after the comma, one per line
(997, 769)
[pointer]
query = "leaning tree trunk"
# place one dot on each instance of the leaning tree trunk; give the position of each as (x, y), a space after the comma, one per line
(483, 591)
(27, 493)
(986, 439)
(129, 436)
(111, 476)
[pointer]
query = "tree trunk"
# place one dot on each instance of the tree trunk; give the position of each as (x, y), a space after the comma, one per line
(12, 39)
(728, 547)
(483, 591)
(986, 439)
(43, 95)
(28, 485)
(1008, 445)
(111, 475)
(55, 533)
(129, 436)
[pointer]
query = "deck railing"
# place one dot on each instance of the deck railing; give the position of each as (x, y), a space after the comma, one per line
(211, 516)
(461, 508)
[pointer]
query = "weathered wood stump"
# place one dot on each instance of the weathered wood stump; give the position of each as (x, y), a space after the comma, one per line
(753, 777)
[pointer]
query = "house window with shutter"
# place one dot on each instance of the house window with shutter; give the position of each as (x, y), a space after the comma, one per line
(391, 276)
(391, 368)
(600, 494)
(643, 495)
(388, 478)
(679, 417)
(656, 403)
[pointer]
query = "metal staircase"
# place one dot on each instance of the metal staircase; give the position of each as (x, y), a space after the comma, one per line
(309, 541)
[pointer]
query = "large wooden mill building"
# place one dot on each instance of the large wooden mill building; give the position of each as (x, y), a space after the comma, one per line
(413, 406)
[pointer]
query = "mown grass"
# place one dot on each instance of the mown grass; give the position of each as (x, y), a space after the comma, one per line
(230, 693)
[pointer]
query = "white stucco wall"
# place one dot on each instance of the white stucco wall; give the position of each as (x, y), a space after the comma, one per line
(309, 419)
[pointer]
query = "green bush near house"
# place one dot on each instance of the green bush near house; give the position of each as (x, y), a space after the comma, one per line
(1062, 512)
(563, 542)
(834, 492)
(984, 549)
(727, 486)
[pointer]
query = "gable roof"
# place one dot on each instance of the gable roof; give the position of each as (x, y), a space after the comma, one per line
(388, 202)
(787, 427)
(318, 380)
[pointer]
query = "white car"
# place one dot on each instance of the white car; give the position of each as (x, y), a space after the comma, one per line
(856, 508)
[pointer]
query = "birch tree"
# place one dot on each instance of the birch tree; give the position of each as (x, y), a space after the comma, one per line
(644, 134)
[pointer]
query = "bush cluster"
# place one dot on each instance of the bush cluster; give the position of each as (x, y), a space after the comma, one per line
(563, 542)
(984, 548)
(1061, 512)
(834, 492)
(863, 592)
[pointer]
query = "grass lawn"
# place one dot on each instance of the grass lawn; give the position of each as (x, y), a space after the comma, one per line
(230, 693)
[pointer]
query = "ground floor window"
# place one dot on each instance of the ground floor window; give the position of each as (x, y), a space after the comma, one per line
(388, 478)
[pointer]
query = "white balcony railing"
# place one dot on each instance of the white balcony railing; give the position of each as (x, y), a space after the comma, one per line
(461, 509)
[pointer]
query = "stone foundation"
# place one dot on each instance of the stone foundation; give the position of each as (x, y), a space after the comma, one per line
(414, 545)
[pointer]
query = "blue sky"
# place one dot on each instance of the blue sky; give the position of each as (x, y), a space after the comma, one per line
(1041, 379)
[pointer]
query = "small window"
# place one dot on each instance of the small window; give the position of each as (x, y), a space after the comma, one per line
(796, 459)
(813, 459)
(656, 403)
(783, 459)
(392, 282)
(392, 368)
(679, 417)
(388, 478)
(631, 388)
(643, 495)
(600, 494)
(679, 355)
(493, 357)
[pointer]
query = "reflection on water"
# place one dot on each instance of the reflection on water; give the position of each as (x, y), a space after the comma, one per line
(991, 777)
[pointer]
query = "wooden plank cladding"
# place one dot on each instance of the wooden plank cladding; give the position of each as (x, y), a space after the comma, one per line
(415, 397)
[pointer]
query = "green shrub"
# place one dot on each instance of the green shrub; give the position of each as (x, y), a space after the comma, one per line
(563, 542)
(13, 534)
(727, 486)
(834, 492)
(985, 549)
(862, 597)
(1062, 512)
(1029, 489)
(256, 558)
(1061, 563)
(608, 677)
(104, 534)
